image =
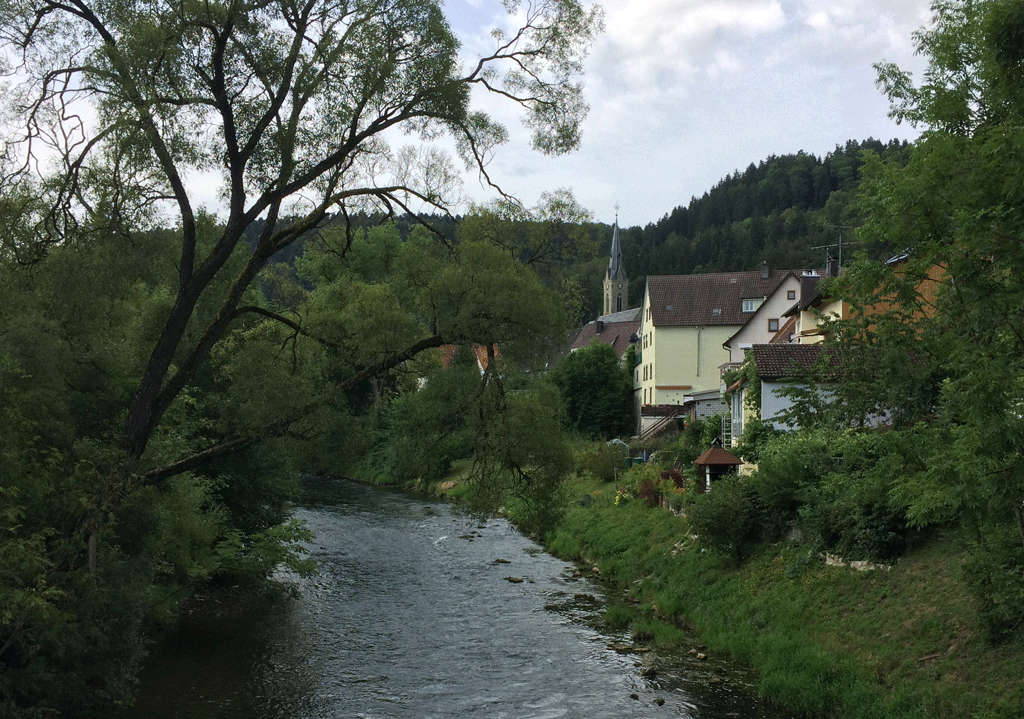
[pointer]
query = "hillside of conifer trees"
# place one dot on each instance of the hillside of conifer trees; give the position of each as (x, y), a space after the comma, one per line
(784, 211)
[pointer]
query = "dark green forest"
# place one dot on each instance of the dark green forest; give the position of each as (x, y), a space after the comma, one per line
(784, 210)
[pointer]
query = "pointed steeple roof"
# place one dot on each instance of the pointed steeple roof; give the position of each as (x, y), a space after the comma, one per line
(616, 270)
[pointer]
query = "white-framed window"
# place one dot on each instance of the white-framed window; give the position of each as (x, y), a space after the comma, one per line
(751, 304)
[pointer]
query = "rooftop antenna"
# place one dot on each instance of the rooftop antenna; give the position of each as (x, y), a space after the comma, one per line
(840, 244)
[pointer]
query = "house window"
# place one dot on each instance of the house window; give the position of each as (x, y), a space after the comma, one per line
(791, 294)
(773, 325)
(751, 305)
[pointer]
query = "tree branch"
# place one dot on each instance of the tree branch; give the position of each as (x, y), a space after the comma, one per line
(281, 426)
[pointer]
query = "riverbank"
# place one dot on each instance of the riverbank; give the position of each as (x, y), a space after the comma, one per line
(825, 641)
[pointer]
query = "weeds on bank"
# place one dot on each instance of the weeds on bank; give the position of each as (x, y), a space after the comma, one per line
(825, 641)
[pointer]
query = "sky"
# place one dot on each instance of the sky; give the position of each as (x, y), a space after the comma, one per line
(685, 92)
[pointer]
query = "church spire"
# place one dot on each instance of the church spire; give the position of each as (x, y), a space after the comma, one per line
(616, 270)
(616, 284)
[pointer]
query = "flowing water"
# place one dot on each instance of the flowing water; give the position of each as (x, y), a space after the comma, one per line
(418, 613)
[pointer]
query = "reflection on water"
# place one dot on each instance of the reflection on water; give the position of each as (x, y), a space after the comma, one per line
(419, 613)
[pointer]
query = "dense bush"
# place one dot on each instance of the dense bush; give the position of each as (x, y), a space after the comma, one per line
(996, 582)
(792, 466)
(602, 461)
(725, 519)
(597, 391)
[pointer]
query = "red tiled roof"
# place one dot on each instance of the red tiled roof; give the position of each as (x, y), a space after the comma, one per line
(709, 299)
(777, 361)
(479, 352)
(616, 334)
(717, 457)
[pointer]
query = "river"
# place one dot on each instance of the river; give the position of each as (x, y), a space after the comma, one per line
(417, 613)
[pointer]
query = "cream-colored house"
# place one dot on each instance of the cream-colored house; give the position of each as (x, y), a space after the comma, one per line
(685, 321)
(812, 311)
(766, 321)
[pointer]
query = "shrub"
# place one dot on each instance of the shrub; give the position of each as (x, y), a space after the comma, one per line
(996, 582)
(791, 467)
(725, 518)
(602, 461)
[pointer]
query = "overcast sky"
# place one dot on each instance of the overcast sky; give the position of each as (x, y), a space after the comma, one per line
(684, 92)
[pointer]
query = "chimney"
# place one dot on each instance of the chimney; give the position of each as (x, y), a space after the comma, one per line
(808, 287)
(600, 327)
(833, 268)
(765, 272)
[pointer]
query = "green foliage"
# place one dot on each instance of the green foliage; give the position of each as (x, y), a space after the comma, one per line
(597, 391)
(822, 641)
(153, 401)
(725, 519)
(603, 461)
(993, 576)
(425, 431)
(957, 206)
(757, 436)
(791, 468)
(777, 210)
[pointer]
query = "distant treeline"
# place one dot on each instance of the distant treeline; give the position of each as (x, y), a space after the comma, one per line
(783, 211)
(788, 211)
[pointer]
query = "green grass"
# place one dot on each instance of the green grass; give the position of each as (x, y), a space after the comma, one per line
(825, 642)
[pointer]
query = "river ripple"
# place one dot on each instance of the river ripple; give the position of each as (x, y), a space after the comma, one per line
(412, 616)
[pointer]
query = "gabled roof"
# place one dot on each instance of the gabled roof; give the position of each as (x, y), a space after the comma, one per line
(780, 361)
(616, 334)
(717, 457)
(761, 311)
(624, 316)
(786, 332)
(709, 299)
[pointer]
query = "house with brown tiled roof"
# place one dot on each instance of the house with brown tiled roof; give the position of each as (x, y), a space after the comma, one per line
(778, 367)
(812, 310)
(616, 330)
(767, 319)
(685, 321)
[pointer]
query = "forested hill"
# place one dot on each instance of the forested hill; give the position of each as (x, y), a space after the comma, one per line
(779, 210)
(784, 211)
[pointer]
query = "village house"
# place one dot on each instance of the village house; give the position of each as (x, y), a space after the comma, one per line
(685, 321)
(789, 356)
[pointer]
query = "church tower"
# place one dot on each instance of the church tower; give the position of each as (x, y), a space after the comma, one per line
(616, 284)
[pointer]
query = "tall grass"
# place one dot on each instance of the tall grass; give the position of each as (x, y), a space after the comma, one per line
(825, 641)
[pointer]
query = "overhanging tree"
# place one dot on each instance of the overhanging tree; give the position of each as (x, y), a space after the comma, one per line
(286, 106)
(959, 206)
(597, 391)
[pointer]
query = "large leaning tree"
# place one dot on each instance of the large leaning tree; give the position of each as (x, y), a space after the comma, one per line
(119, 112)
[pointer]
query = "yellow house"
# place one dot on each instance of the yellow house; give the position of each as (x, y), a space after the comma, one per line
(684, 322)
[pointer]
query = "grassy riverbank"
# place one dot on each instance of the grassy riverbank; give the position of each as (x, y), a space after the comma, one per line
(825, 641)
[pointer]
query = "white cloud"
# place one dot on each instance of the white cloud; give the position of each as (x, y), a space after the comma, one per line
(683, 92)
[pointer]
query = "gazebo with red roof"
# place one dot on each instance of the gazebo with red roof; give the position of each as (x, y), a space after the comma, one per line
(716, 462)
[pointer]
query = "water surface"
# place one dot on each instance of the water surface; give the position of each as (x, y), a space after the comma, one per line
(418, 613)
